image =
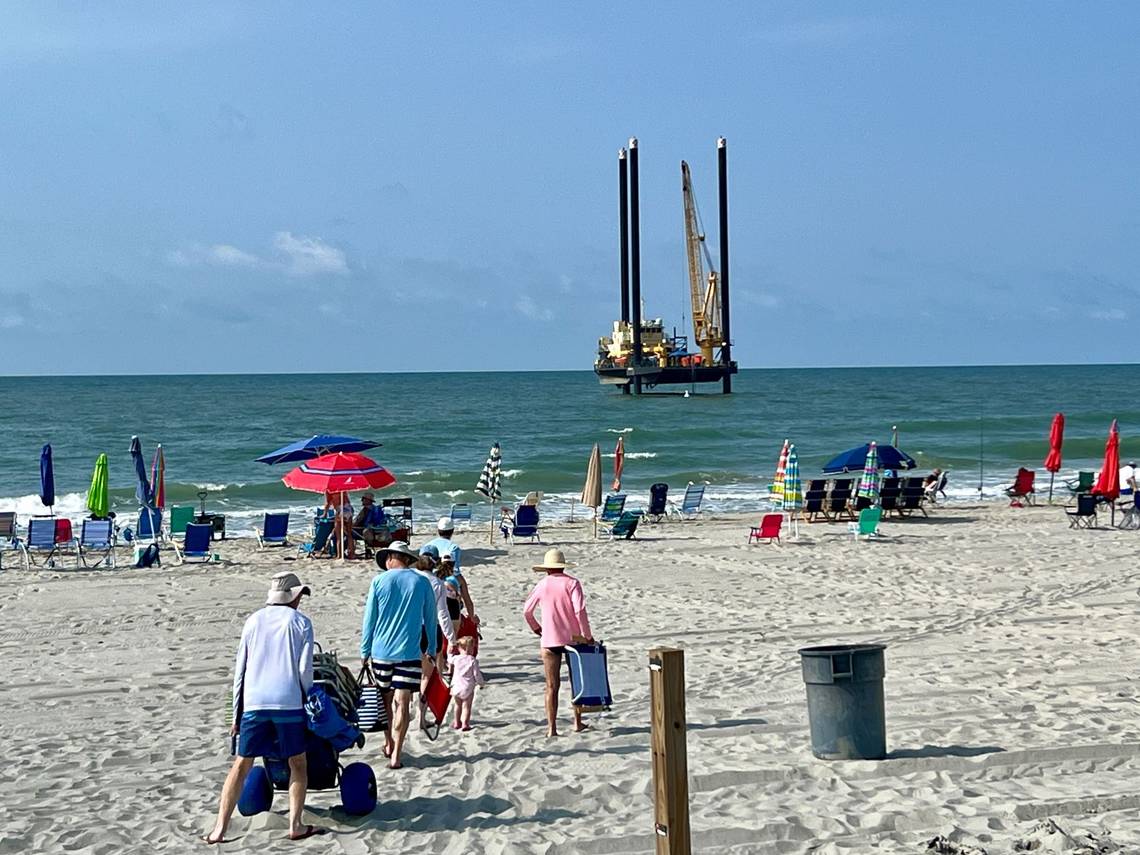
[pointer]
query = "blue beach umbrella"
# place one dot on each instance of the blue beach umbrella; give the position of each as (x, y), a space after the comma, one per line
(854, 459)
(316, 446)
(142, 488)
(47, 479)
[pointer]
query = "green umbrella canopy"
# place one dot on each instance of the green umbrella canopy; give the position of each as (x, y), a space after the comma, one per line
(98, 498)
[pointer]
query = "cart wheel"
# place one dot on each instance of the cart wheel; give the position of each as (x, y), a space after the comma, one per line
(257, 794)
(358, 789)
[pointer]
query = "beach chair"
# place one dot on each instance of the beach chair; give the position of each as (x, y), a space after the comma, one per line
(868, 524)
(1082, 483)
(613, 508)
(589, 677)
(98, 538)
(149, 526)
(1022, 487)
(1084, 515)
(816, 485)
(910, 501)
(626, 526)
(322, 542)
(399, 514)
(180, 517)
(461, 515)
(436, 697)
(9, 539)
(42, 541)
(691, 503)
(769, 529)
(274, 530)
(522, 523)
(1131, 508)
(839, 499)
(815, 505)
(658, 501)
(197, 545)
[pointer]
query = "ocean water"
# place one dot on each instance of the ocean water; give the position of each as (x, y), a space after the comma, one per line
(979, 423)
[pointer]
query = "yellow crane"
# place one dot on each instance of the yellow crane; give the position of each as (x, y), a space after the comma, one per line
(704, 290)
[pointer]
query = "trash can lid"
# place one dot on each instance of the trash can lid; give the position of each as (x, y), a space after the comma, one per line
(832, 649)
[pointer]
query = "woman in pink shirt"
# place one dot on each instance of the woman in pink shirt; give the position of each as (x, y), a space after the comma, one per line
(564, 622)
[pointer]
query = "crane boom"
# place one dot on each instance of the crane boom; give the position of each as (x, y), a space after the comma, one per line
(704, 291)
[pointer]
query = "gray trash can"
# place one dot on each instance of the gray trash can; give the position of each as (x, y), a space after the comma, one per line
(845, 701)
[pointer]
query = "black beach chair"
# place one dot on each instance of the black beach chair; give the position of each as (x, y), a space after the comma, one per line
(1084, 516)
(658, 501)
(815, 506)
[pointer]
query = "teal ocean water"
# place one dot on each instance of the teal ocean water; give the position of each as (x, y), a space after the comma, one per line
(979, 423)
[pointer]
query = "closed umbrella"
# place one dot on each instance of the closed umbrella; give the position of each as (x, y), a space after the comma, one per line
(337, 474)
(619, 462)
(592, 489)
(47, 479)
(777, 491)
(490, 481)
(158, 478)
(793, 497)
(142, 485)
(1108, 482)
(1053, 458)
(98, 498)
(869, 483)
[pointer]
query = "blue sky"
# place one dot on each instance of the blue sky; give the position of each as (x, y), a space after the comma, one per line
(393, 186)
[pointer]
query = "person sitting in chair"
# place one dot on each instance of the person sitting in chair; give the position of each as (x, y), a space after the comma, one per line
(371, 525)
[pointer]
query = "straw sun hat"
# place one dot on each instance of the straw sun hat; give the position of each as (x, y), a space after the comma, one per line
(553, 560)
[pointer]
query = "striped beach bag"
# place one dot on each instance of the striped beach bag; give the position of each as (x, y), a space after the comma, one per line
(371, 713)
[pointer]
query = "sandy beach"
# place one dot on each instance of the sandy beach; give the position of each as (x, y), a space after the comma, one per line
(1010, 696)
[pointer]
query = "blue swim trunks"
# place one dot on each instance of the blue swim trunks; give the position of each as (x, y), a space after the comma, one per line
(276, 734)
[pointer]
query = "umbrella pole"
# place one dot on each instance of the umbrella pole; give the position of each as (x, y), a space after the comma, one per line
(491, 534)
(1052, 475)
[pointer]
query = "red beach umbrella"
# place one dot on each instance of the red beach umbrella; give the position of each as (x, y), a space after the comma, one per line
(619, 462)
(1108, 482)
(339, 473)
(1053, 458)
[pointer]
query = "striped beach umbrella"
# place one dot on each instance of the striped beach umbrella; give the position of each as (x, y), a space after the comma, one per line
(777, 490)
(793, 496)
(869, 483)
(98, 497)
(490, 480)
(158, 478)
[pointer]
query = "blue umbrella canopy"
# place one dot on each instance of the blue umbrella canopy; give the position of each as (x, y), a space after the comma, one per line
(316, 446)
(853, 459)
(142, 489)
(47, 477)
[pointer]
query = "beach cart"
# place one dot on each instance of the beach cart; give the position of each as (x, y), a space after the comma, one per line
(333, 703)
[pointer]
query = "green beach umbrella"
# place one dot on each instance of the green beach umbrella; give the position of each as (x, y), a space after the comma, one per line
(98, 499)
(869, 483)
(793, 497)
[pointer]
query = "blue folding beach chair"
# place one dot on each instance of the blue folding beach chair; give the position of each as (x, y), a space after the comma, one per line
(41, 541)
(8, 537)
(198, 543)
(613, 508)
(274, 530)
(323, 542)
(150, 524)
(523, 523)
(589, 677)
(97, 537)
(691, 504)
(461, 513)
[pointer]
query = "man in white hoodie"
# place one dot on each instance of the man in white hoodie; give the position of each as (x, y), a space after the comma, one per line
(272, 678)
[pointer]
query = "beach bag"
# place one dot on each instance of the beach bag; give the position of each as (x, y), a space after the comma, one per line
(149, 557)
(371, 713)
(326, 722)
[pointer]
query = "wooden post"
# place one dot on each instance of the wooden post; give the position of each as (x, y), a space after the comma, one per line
(670, 758)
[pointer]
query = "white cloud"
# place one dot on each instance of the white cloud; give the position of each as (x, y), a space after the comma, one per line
(309, 256)
(526, 306)
(297, 255)
(1108, 315)
(760, 298)
(9, 322)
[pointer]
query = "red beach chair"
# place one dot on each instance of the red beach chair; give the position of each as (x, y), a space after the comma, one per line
(1022, 488)
(436, 698)
(769, 529)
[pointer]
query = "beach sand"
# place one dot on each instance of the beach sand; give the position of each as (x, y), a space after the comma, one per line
(1011, 699)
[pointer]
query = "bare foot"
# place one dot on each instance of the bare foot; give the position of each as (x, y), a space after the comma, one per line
(580, 726)
(551, 734)
(307, 831)
(213, 839)
(395, 764)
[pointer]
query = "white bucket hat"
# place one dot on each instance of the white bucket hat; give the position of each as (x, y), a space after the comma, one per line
(396, 547)
(445, 524)
(284, 588)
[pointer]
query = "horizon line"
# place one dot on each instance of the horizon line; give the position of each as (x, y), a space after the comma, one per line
(561, 370)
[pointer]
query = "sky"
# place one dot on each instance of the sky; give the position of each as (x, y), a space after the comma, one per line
(398, 186)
